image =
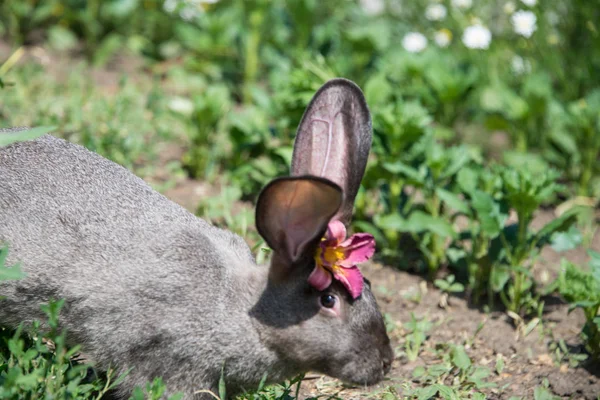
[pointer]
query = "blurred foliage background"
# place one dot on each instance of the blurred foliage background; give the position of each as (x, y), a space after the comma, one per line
(484, 112)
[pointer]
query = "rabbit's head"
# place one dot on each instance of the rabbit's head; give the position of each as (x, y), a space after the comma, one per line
(329, 329)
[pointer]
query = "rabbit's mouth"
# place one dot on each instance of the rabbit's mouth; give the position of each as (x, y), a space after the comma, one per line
(359, 374)
(366, 381)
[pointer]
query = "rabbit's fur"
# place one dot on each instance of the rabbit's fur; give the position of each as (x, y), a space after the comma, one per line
(149, 286)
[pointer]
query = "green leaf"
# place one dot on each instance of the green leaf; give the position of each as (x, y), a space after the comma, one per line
(107, 49)
(437, 370)
(595, 264)
(569, 240)
(419, 221)
(418, 372)
(24, 135)
(285, 152)
(467, 180)
(441, 284)
(9, 273)
(377, 90)
(499, 277)
(400, 168)
(222, 386)
(456, 287)
(534, 163)
(478, 376)
(61, 39)
(447, 392)
(458, 157)
(120, 8)
(560, 224)
(391, 221)
(452, 200)
(578, 287)
(427, 392)
(499, 365)
(460, 358)
(542, 393)
(488, 213)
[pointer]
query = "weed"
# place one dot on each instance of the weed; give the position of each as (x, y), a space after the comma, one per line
(582, 290)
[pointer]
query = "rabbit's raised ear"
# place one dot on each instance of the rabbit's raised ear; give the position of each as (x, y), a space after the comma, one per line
(292, 215)
(334, 140)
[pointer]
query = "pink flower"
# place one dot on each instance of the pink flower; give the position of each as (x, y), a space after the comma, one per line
(338, 257)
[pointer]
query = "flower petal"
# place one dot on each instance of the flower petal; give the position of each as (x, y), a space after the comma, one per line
(320, 278)
(352, 280)
(357, 248)
(336, 232)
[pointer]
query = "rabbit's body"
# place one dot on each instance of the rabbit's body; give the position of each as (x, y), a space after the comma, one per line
(134, 268)
(152, 288)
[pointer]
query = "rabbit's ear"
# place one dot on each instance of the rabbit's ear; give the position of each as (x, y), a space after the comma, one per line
(292, 215)
(334, 139)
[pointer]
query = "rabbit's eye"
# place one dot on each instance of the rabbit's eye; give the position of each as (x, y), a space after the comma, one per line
(328, 301)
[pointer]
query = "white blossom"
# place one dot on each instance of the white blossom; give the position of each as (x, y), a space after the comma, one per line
(181, 105)
(170, 5)
(529, 3)
(520, 65)
(477, 37)
(435, 12)
(414, 42)
(442, 37)
(524, 23)
(462, 3)
(509, 7)
(188, 13)
(553, 18)
(372, 7)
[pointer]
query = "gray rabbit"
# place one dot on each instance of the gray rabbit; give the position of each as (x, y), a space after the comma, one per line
(150, 287)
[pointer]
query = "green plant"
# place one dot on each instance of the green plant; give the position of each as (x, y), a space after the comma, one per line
(434, 169)
(24, 135)
(31, 367)
(582, 290)
(562, 354)
(456, 377)
(153, 391)
(8, 273)
(542, 392)
(500, 256)
(575, 135)
(289, 390)
(417, 329)
(449, 285)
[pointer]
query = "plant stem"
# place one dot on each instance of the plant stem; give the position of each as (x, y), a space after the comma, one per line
(521, 141)
(589, 153)
(516, 300)
(436, 246)
(252, 48)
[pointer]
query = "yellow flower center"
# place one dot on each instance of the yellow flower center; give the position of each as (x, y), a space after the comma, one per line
(333, 255)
